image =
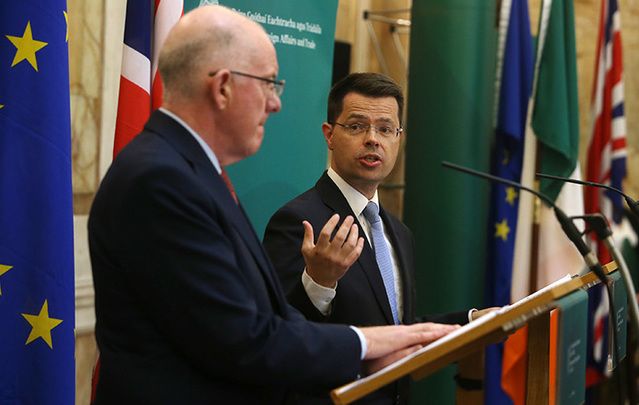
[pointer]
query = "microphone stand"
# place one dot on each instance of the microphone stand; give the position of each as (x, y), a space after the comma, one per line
(630, 288)
(598, 224)
(571, 232)
(601, 228)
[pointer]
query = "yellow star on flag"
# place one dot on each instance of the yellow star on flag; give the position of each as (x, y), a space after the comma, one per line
(41, 325)
(506, 158)
(1, 106)
(511, 194)
(502, 230)
(3, 269)
(66, 20)
(26, 47)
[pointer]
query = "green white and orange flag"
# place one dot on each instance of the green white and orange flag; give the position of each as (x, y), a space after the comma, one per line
(554, 122)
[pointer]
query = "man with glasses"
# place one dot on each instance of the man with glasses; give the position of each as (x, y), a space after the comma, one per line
(340, 257)
(188, 307)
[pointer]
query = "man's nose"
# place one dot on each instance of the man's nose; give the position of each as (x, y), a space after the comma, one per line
(274, 104)
(371, 137)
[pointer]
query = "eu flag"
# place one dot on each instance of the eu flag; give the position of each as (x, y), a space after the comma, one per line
(514, 94)
(36, 216)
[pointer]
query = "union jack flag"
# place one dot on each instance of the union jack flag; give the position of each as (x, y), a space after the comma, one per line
(147, 24)
(606, 164)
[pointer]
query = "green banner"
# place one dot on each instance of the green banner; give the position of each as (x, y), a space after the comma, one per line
(571, 348)
(620, 301)
(293, 154)
(452, 76)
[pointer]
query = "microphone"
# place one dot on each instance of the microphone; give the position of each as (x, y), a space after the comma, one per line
(574, 235)
(566, 223)
(632, 204)
(599, 224)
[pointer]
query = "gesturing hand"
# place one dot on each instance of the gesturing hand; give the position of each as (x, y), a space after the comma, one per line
(328, 260)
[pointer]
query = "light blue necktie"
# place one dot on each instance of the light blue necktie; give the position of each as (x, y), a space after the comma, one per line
(382, 254)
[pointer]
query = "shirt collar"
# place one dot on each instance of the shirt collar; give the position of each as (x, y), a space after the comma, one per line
(207, 150)
(356, 200)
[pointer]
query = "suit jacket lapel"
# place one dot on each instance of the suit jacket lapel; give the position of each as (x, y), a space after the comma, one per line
(367, 263)
(235, 214)
(191, 151)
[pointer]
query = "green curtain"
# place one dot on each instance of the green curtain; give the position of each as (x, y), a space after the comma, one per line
(451, 95)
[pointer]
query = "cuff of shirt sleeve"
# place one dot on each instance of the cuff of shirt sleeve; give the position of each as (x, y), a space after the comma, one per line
(362, 341)
(470, 314)
(320, 296)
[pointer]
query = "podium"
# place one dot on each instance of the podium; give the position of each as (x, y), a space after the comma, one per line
(466, 346)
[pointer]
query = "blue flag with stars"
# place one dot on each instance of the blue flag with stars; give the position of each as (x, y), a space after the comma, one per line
(514, 95)
(37, 364)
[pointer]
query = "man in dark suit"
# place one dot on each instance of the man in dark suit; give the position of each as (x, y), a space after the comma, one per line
(188, 307)
(325, 277)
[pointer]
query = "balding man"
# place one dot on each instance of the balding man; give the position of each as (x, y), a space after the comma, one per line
(189, 310)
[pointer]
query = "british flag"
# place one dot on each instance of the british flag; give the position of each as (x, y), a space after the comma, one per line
(606, 163)
(147, 24)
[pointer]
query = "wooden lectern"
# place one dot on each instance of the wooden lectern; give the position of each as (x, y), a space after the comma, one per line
(466, 346)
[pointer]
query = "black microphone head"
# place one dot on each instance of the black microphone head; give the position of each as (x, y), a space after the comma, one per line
(571, 231)
(598, 223)
(633, 205)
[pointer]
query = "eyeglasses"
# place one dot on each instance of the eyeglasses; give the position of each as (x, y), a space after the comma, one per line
(386, 131)
(277, 86)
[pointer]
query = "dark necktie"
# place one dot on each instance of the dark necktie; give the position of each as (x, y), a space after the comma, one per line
(229, 185)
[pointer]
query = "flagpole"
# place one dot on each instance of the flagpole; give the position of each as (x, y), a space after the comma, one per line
(525, 241)
(504, 20)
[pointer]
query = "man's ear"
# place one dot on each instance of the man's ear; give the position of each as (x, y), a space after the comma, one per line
(220, 88)
(327, 129)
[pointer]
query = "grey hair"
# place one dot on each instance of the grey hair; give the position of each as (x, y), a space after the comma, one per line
(181, 63)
